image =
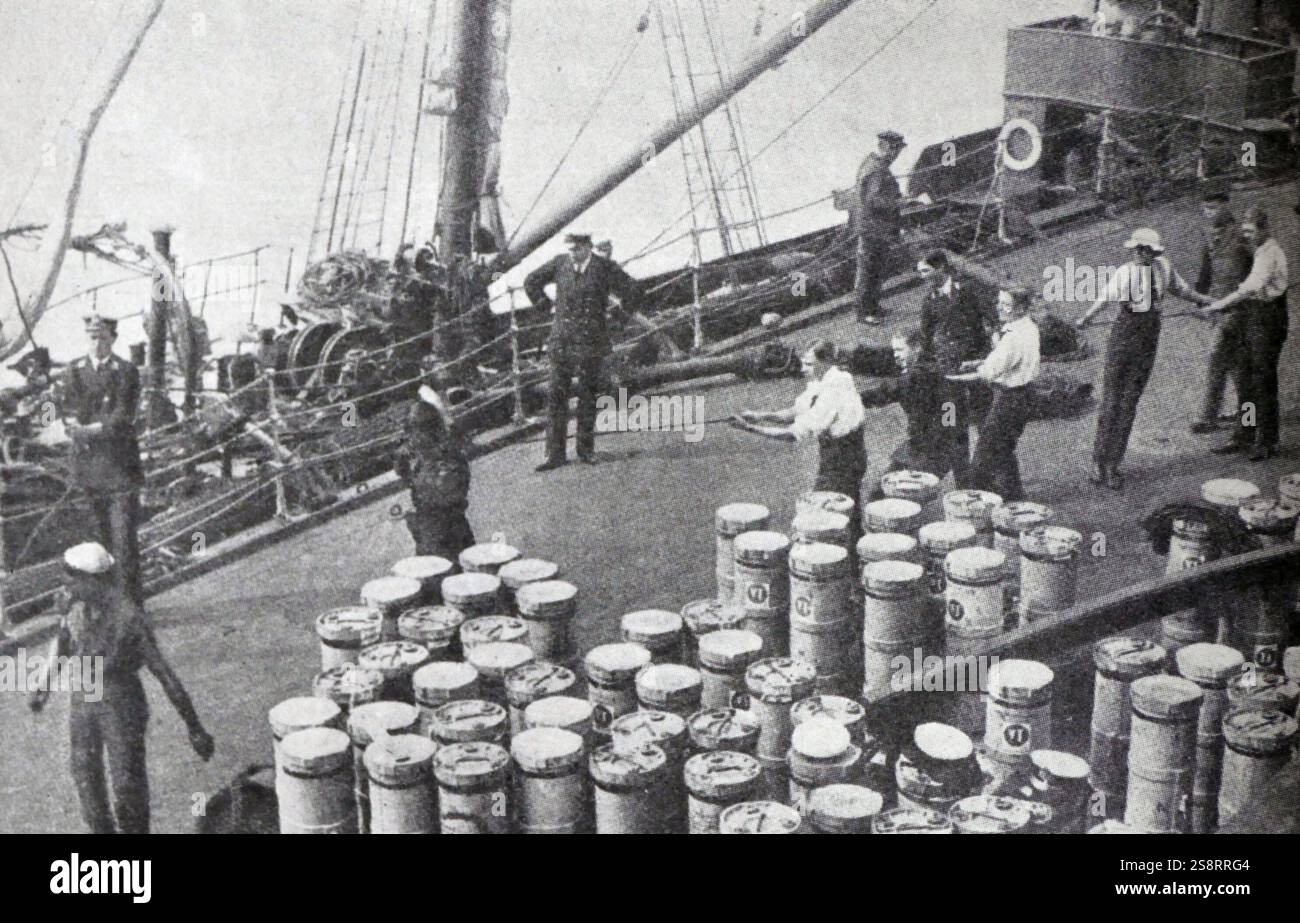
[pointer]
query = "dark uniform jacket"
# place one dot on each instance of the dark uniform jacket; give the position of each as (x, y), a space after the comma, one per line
(581, 327)
(955, 327)
(922, 391)
(109, 396)
(878, 200)
(1225, 261)
(433, 462)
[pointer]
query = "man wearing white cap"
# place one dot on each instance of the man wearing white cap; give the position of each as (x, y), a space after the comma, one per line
(1139, 288)
(104, 624)
(435, 468)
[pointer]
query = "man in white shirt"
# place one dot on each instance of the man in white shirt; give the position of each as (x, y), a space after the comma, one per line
(1010, 368)
(1265, 330)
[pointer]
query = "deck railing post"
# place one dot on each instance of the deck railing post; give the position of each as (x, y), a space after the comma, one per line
(697, 310)
(516, 380)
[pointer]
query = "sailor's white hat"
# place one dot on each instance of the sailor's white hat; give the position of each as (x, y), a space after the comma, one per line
(1145, 237)
(88, 558)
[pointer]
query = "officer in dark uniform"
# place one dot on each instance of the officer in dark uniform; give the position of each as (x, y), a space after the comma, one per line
(579, 339)
(955, 323)
(876, 222)
(435, 467)
(1225, 264)
(101, 393)
(109, 719)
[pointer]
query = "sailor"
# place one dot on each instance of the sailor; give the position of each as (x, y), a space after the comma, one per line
(579, 341)
(955, 324)
(937, 438)
(435, 467)
(1010, 369)
(1139, 287)
(876, 222)
(1225, 264)
(830, 411)
(108, 636)
(101, 394)
(1264, 326)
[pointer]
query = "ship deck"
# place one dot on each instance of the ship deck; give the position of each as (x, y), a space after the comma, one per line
(636, 531)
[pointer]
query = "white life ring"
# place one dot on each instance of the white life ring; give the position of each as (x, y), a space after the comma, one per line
(1030, 160)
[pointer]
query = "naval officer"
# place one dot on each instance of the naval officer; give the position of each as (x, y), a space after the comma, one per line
(875, 222)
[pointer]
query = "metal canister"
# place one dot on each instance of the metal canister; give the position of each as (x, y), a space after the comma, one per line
(391, 596)
(1018, 710)
(1210, 666)
(716, 780)
(824, 623)
(629, 733)
(1273, 521)
(937, 539)
(821, 753)
(493, 661)
(1113, 826)
(842, 808)
(657, 630)
(437, 628)
(759, 817)
(1009, 520)
(548, 608)
(1259, 625)
(521, 572)
(989, 814)
(772, 686)
(397, 662)
(488, 629)
(1190, 544)
(1228, 493)
(1288, 488)
(910, 819)
(402, 790)
(1049, 570)
(820, 526)
(628, 788)
(1261, 688)
(714, 729)
(1162, 753)
(487, 557)
(611, 682)
(550, 786)
(973, 600)
(561, 711)
(435, 684)
(703, 616)
(314, 786)
(299, 714)
(763, 588)
(829, 500)
(473, 594)
(1060, 781)
(427, 570)
(974, 507)
(343, 632)
(724, 657)
(732, 520)
(843, 711)
(1120, 660)
(348, 685)
(473, 788)
(936, 769)
(469, 721)
(897, 605)
(892, 516)
(888, 546)
(536, 679)
(921, 487)
(669, 687)
(1259, 743)
(366, 724)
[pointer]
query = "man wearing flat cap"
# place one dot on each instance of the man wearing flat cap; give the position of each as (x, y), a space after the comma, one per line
(579, 341)
(876, 222)
(101, 393)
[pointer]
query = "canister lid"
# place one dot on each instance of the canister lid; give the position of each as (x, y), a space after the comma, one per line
(316, 750)
(1288, 487)
(821, 526)
(497, 658)
(724, 729)
(910, 820)
(843, 807)
(538, 679)
(487, 556)
(884, 546)
(468, 589)
(1055, 542)
(634, 730)
(759, 817)
(350, 625)
(989, 814)
(942, 537)
(891, 576)
(424, 567)
(467, 719)
(735, 518)
(432, 625)
(469, 763)
(975, 505)
(830, 500)
(488, 628)
(547, 598)
(651, 628)
(1250, 683)
(442, 680)
(1057, 764)
(1025, 682)
(837, 708)
(893, 511)
(1014, 517)
(1264, 514)
(1194, 524)
(1209, 663)
(560, 711)
(393, 658)
(761, 548)
(819, 559)
(390, 590)
(1128, 657)
(942, 742)
(615, 663)
(705, 615)
(367, 723)
(977, 563)
(668, 684)
(820, 738)
(302, 712)
(1166, 696)
(521, 571)
(921, 486)
(400, 759)
(732, 647)
(1260, 731)
(780, 679)
(348, 684)
(1229, 492)
(640, 767)
(546, 749)
(722, 774)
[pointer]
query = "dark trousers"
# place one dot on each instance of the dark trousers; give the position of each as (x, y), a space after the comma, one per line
(1130, 356)
(995, 466)
(112, 730)
(564, 368)
(1264, 331)
(871, 255)
(1225, 362)
(117, 518)
(441, 531)
(841, 466)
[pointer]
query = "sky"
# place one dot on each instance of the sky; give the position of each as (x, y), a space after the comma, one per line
(222, 126)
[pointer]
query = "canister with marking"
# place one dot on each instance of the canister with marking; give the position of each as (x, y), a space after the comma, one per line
(825, 625)
(437, 628)
(629, 733)
(842, 808)
(716, 780)
(314, 788)
(921, 487)
(910, 819)
(844, 711)
(611, 682)
(714, 729)
(550, 786)
(1259, 627)
(427, 570)
(521, 572)
(487, 557)
(669, 687)
(548, 608)
(724, 657)
(1288, 488)
(892, 516)
(1120, 660)
(888, 666)
(975, 507)
(1264, 689)
(1060, 781)
(1189, 543)
(1162, 753)
(703, 616)
(937, 768)
(391, 596)
(821, 753)
(937, 539)
(345, 631)
(888, 546)
(657, 630)
(561, 711)
(897, 604)
(820, 526)
(1229, 493)
(493, 661)
(1049, 570)
(1259, 742)
(732, 520)
(1011, 519)
(773, 685)
(487, 629)
(1210, 666)
(828, 500)
(473, 594)
(763, 588)
(397, 662)
(438, 683)
(973, 592)
(989, 814)
(628, 789)
(1018, 715)
(473, 784)
(1273, 521)
(469, 721)
(402, 790)
(348, 685)
(299, 714)
(759, 817)
(537, 679)
(366, 724)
